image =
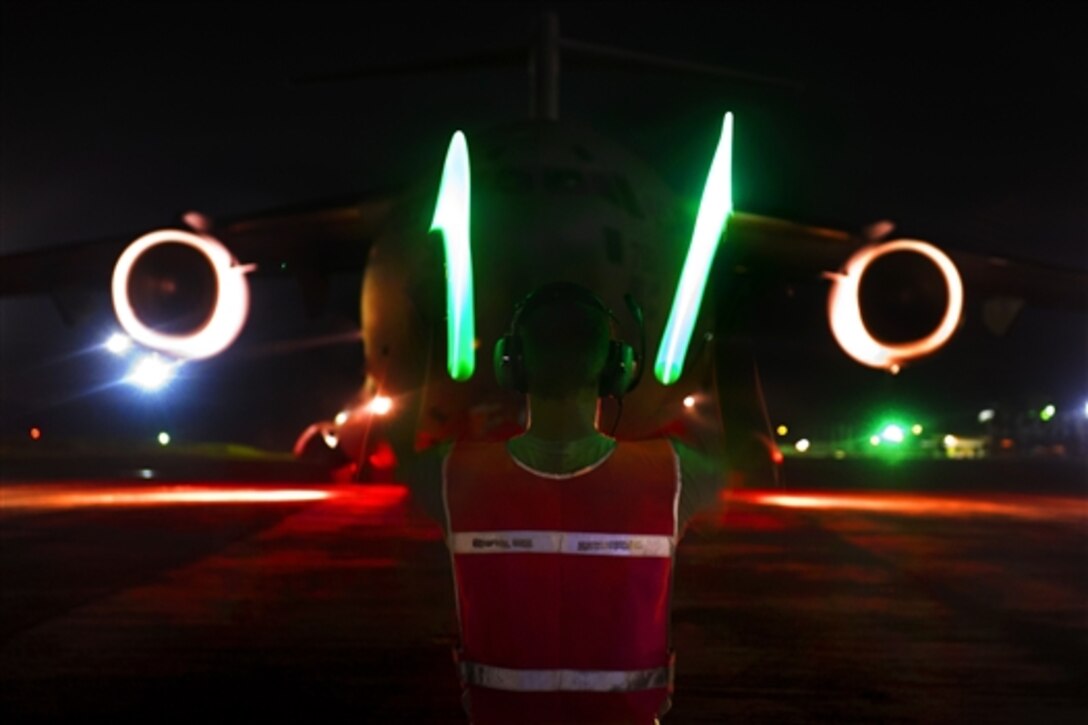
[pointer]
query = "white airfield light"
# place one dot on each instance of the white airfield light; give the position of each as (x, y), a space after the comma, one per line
(152, 372)
(118, 343)
(231, 305)
(892, 434)
(164, 438)
(844, 308)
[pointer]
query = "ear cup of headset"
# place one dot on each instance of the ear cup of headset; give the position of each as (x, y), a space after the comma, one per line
(618, 371)
(508, 360)
(509, 364)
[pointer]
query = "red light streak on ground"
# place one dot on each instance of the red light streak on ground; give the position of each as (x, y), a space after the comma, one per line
(61, 496)
(369, 497)
(1029, 507)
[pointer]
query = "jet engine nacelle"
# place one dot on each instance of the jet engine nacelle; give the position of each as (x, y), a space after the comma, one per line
(181, 293)
(895, 302)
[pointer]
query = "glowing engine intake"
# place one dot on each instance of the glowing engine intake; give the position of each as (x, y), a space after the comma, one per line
(913, 300)
(180, 293)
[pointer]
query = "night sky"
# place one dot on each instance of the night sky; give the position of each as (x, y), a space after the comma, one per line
(967, 127)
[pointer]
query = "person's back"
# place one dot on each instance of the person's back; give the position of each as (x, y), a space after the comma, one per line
(563, 583)
(563, 539)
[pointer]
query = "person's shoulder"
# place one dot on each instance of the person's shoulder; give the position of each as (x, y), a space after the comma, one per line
(695, 460)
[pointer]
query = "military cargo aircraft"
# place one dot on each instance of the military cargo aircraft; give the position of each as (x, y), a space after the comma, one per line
(445, 260)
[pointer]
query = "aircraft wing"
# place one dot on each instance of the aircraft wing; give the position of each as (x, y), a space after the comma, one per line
(997, 287)
(307, 241)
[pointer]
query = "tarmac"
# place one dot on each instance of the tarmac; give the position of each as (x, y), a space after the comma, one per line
(283, 600)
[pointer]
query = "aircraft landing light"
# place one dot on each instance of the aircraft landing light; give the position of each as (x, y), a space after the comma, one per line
(451, 217)
(380, 405)
(714, 211)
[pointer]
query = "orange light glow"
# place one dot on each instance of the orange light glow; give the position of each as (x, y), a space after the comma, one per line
(56, 496)
(380, 405)
(383, 456)
(844, 308)
(1034, 507)
(35, 433)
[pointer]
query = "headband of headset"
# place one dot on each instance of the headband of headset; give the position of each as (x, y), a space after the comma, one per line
(616, 377)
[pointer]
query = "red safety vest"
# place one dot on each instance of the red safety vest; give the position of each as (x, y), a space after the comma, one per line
(563, 584)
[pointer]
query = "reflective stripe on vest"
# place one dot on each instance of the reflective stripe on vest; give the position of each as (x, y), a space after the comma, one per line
(561, 542)
(504, 678)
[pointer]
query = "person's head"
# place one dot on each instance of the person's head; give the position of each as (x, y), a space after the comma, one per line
(562, 335)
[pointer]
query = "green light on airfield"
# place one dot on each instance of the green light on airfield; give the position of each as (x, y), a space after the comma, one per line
(714, 211)
(1047, 413)
(892, 433)
(451, 217)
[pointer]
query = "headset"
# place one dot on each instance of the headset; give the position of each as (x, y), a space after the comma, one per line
(622, 368)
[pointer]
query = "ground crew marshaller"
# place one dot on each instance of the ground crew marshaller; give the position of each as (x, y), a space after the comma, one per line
(562, 538)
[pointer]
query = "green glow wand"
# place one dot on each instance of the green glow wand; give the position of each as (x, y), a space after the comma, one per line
(714, 211)
(451, 217)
